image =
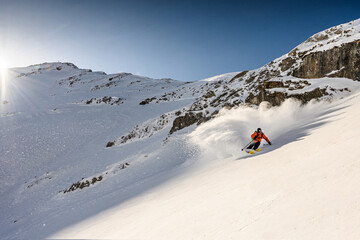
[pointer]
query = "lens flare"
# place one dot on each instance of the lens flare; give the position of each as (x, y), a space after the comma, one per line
(3, 76)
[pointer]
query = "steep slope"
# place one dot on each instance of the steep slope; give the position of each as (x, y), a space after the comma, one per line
(306, 186)
(319, 68)
(53, 139)
(75, 142)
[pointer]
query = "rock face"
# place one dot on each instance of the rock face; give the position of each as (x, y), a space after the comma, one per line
(185, 121)
(332, 53)
(276, 98)
(287, 63)
(341, 61)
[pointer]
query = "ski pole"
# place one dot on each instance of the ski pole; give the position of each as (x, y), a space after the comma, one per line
(246, 145)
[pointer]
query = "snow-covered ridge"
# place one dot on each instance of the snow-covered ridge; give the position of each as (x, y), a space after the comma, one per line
(221, 77)
(332, 37)
(112, 136)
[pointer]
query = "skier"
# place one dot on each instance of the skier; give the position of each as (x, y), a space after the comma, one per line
(257, 136)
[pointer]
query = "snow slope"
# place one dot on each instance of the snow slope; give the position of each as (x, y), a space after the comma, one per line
(60, 180)
(304, 186)
(50, 139)
(332, 37)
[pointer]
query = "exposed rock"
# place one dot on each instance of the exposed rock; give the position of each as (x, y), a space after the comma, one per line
(318, 37)
(185, 121)
(120, 75)
(131, 135)
(105, 100)
(252, 78)
(71, 65)
(264, 75)
(147, 101)
(291, 85)
(216, 102)
(197, 106)
(287, 63)
(239, 75)
(233, 94)
(307, 96)
(276, 98)
(319, 64)
(82, 184)
(209, 94)
(273, 84)
(110, 144)
(293, 52)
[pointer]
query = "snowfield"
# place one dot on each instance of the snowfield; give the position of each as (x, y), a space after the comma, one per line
(60, 181)
(92, 155)
(304, 186)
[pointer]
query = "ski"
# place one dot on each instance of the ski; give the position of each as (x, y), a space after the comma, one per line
(252, 151)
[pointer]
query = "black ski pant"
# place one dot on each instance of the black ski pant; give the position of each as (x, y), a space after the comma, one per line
(254, 145)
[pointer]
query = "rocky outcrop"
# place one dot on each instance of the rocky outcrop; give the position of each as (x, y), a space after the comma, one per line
(209, 94)
(110, 144)
(105, 100)
(147, 101)
(305, 97)
(239, 76)
(341, 61)
(82, 184)
(186, 120)
(276, 98)
(287, 63)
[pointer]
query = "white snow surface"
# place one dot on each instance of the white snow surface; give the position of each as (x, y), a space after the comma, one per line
(332, 37)
(304, 186)
(220, 77)
(194, 184)
(49, 141)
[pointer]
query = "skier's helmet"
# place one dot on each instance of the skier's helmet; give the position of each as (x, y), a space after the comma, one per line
(259, 130)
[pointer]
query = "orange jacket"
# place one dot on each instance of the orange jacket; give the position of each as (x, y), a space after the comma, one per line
(258, 136)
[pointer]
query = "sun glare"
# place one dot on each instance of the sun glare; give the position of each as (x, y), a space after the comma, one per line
(3, 66)
(3, 73)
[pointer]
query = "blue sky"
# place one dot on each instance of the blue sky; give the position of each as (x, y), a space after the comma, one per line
(183, 40)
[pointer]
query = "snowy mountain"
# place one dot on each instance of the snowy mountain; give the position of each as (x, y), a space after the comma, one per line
(84, 152)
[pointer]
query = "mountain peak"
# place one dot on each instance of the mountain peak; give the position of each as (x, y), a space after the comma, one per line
(331, 37)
